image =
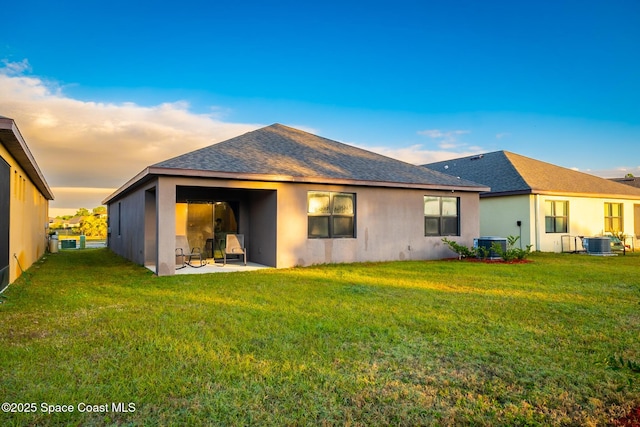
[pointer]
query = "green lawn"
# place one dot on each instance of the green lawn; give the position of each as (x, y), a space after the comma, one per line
(401, 343)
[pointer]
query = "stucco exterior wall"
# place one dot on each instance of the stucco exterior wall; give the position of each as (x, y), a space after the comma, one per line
(29, 220)
(389, 227)
(586, 218)
(498, 216)
(126, 232)
(273, 218)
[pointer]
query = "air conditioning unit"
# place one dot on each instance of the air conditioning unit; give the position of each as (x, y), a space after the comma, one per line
(488, 241)
(597, 245)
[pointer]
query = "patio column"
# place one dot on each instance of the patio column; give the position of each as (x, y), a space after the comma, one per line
(166, 231)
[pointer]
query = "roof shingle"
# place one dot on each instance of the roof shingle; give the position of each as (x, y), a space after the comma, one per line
(507, 172)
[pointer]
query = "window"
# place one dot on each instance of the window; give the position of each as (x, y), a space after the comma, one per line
(119, 218)
(441, 216)
(613, 217)
(556, 216)
(331, 214)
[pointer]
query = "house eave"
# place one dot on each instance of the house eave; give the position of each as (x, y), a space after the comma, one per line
(561, 194)
(133, 182)
(306, 179)
(17, 147)
(602, 195)
(194, 173)
(504, 193)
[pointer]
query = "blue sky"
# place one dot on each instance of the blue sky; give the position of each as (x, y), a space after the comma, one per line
(132, 83)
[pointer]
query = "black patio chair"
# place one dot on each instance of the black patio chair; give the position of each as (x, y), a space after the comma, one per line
(191, 257)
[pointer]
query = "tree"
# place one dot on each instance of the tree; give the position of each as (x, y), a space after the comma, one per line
(100, 210)
(93, 226)
(83, 212)
(629, 175)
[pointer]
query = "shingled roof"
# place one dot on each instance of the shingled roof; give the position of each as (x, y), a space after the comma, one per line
(281, 153)
(285, 153)
(508, 173)
(632, 181)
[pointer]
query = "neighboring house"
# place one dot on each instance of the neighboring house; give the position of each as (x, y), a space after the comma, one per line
(24, 205)
(548, 206)
(299, 199)
(73, 222)
(632, 181)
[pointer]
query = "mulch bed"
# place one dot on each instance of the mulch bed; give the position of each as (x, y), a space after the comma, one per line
(492, 261)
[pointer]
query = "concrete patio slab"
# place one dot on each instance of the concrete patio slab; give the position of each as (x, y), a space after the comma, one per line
(216, 267)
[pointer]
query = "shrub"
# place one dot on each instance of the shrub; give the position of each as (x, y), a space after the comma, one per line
(512, 253)
(482, 252)
(461, 250)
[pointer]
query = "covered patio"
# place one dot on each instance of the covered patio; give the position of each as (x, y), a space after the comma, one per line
(203, 213)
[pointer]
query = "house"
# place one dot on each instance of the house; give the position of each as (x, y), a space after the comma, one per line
(299, 199)
(73, 223)
(633, 181)
(548, 206)
(24, 205)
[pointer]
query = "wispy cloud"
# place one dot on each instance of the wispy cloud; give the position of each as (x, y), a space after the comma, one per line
(13, 68)
(446, 139)
(617, 172)
(502, 135)
(418, 154)
(448, 142)
(100, 145)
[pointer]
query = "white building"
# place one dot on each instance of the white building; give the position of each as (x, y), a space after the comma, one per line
(547, 205)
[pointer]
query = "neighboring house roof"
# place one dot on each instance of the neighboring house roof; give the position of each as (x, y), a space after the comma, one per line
(632, 181)
(12, 140)
(509, 173)
(75, 221)
(282, 153)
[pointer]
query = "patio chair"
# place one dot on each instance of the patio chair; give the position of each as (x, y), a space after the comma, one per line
(187, 255)
(234, 246)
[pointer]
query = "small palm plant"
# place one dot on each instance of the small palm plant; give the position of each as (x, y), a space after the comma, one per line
(512, 253)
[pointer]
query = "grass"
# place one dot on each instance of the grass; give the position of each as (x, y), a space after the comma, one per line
(401, 343)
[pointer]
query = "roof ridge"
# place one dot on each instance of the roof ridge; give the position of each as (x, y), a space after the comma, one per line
(281, 150)
(506, 155)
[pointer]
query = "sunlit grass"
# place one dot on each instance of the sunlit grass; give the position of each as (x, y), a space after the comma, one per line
(406, 343)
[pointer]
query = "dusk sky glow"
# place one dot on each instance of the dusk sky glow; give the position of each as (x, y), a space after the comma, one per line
(100, 90)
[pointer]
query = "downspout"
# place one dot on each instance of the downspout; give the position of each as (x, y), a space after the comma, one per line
(536, 227)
